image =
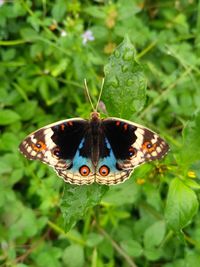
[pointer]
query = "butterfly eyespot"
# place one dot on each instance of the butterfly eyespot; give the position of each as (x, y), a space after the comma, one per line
(148, 146)
(84, 170)
(132, 152)
(104, 170)
(56, 152)
(39, 146)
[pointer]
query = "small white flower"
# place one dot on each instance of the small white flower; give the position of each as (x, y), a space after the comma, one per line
(63, 33)
(87, 36)
(46, 71)
(2, 2)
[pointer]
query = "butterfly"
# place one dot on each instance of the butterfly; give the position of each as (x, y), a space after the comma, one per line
(105, 151)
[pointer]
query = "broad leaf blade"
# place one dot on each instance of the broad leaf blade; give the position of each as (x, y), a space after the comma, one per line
(182, 205)
(8, 116)
(78, 199)
(125, 83)
(190, 151)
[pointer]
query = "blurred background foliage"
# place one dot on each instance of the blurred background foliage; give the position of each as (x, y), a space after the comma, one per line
(47, 48)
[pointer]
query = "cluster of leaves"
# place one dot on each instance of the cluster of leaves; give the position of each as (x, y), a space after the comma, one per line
(47, 49)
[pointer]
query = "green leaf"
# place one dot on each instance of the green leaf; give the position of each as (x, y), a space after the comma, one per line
(27, 110)
(8, 116)
(49, 256)
(182, 205)
(153, 254)
(190, 151)
(192, 258)
(95, 11)
(154, 234)
(132, 248)
(94, 239)
(125, 83)
(178, 263)
(126, 193)
(25, 225)
(73, 256)
(9, 142)
(78, 199)
(59, 9)
(29, 34)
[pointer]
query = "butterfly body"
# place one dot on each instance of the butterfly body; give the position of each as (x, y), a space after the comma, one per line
(86, 151)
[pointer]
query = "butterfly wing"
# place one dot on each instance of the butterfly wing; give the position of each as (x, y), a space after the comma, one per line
(61, 145)
(129, 145)
(107, 170)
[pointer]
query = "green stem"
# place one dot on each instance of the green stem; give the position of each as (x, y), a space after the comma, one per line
(167, 238)
(192, 241)
(68, 235)
(146, 50)
(120, 251)
(87, 224)
(12, 42)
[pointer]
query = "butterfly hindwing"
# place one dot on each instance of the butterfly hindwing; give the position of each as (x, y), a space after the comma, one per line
(107, 171)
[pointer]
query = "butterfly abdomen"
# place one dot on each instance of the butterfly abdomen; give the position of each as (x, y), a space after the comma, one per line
(95, 125)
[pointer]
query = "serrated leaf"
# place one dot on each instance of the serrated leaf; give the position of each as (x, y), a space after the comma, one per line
(125, 83)
(182, 205)
(8, 116)
(78, 199)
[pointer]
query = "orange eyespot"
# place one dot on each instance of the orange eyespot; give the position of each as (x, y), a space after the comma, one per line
(148, 146)
(39, 146)
(104, 170)
(132, 151)
(84, 170)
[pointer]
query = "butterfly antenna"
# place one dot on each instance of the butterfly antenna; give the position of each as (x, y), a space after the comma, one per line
(102, 84)
(87, 92)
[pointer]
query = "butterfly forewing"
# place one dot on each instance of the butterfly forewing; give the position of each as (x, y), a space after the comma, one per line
(58, 145)
(133, 144)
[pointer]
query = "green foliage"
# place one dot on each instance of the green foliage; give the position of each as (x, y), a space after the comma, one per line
(47, 48)
(125, 83)
(181, 205)
(78, 199)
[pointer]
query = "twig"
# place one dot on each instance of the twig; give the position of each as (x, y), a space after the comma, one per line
(117, 247)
